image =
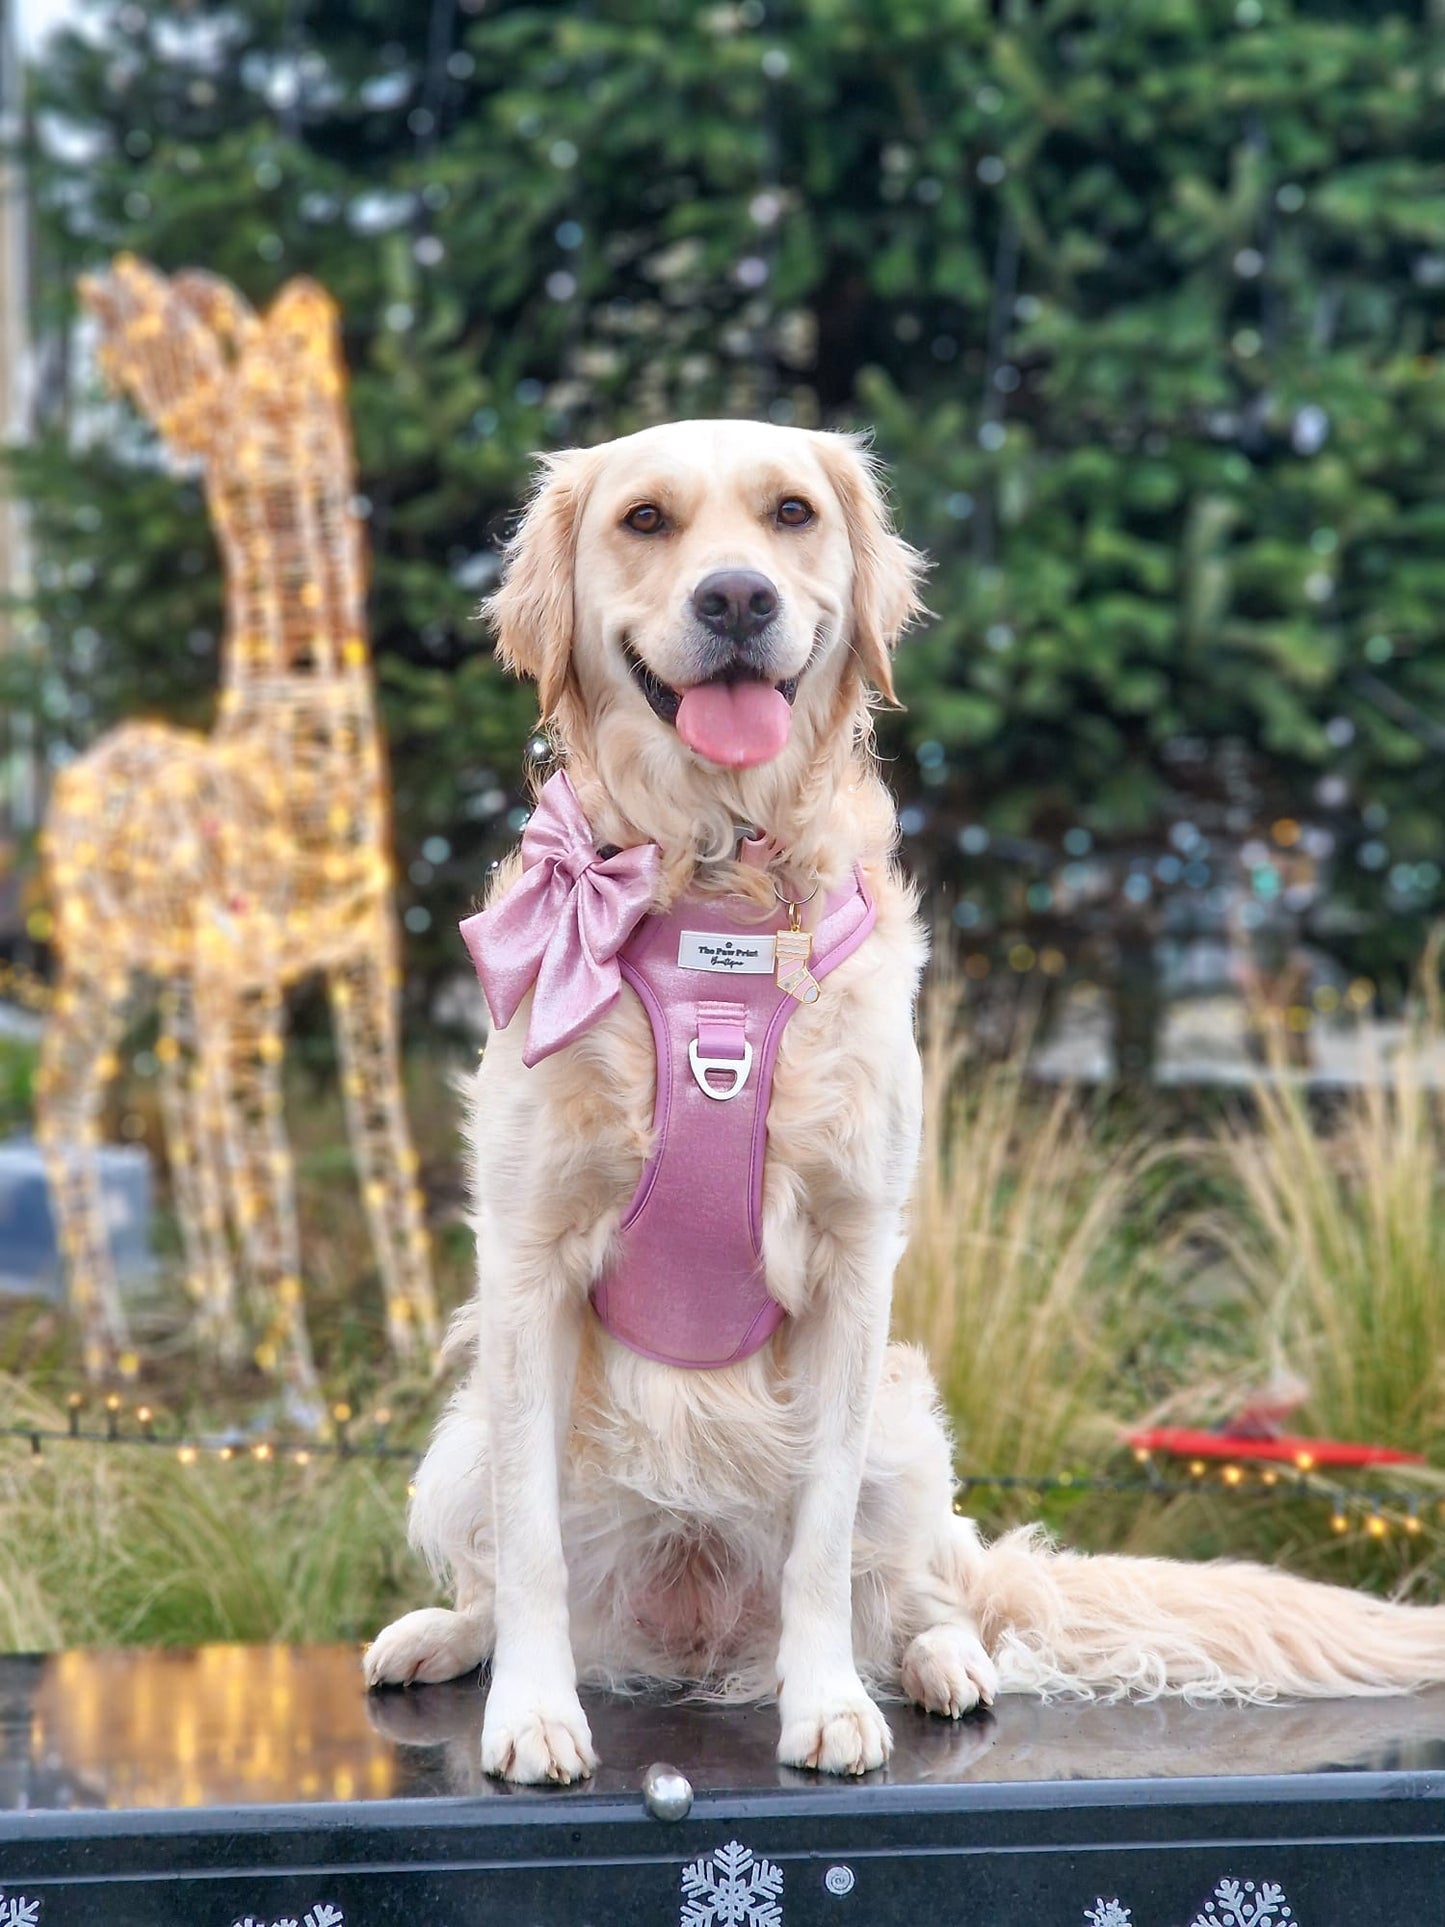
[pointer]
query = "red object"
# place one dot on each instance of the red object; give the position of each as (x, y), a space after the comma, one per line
(1180, 1442)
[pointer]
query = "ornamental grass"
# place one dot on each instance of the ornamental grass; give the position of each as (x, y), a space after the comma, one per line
(1023, 1275)
(1337, 1229)
(124, 1545)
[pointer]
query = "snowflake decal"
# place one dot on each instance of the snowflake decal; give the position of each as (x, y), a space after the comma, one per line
(1242, 1904)
(19, 1912)
(1108, 1913)
(732, 1889)
(321, 1915)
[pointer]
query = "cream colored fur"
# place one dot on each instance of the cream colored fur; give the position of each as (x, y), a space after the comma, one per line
(785, 1524)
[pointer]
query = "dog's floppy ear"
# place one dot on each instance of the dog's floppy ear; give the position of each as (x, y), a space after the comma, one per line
(532, 610)
(886, 571)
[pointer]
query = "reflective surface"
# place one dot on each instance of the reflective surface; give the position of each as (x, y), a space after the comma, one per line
(228, 1725)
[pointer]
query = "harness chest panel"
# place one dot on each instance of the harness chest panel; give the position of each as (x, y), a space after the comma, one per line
(686, 1284)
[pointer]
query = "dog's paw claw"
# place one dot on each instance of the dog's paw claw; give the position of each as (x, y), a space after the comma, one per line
(852, 1736)
(537, 1747)
(946, 1671)
(423, 1648)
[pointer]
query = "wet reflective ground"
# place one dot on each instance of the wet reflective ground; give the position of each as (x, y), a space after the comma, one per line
(227, 1725)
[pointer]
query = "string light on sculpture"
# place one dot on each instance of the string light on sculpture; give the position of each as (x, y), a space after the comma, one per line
(21, 986)
(226, 867)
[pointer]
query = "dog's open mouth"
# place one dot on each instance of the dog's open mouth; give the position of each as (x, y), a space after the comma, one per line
(734, 719)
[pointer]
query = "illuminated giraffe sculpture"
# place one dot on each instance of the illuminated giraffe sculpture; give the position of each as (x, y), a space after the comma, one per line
(226, 867)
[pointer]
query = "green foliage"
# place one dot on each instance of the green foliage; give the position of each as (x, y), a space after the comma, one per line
(1145, 302)
(18, 1060)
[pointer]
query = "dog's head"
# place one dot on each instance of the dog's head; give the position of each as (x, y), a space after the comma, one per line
(709, 599)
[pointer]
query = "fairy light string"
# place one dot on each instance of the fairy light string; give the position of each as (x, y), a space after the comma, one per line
(231, 1447)
(1376, 1514)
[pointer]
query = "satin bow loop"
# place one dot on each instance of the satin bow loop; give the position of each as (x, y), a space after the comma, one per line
(558, 930)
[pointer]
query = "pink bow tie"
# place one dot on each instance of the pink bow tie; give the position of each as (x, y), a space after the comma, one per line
(561, 924)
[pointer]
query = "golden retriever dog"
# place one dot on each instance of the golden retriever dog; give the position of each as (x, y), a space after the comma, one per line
(708, 610)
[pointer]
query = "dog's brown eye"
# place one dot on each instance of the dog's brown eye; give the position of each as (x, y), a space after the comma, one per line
(646, 519)
(794, 512)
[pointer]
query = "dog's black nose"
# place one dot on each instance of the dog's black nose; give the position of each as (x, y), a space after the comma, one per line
(735, 603)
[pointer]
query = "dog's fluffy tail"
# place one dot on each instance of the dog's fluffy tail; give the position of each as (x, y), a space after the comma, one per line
(1061, 1623)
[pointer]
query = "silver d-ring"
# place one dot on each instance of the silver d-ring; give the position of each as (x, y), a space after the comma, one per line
(737, 1067)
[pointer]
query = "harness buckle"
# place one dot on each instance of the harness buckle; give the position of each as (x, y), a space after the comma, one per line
(738, 1068)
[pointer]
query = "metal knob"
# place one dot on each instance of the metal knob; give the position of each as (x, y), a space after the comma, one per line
(666, 1793)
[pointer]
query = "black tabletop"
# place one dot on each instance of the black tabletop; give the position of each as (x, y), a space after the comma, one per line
(229, 1726)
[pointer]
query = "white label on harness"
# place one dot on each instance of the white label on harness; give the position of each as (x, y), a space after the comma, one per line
(725, 956)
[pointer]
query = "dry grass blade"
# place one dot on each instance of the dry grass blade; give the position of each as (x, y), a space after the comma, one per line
(1018, 1279)
(1342, 1240)
(121, 1545)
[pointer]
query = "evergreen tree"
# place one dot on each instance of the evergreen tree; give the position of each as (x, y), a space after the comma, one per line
(1144, 300)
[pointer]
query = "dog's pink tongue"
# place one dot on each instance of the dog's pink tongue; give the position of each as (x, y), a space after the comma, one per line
(736, 724)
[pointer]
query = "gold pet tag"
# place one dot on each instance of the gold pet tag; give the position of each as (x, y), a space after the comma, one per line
(793, 948)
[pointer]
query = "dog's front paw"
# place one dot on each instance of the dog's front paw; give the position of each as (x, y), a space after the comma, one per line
(424, 1647)
(833, 1732)
(947, 1671)
(535, 1738)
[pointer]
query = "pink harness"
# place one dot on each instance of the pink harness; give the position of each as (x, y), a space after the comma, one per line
(685, 1282)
